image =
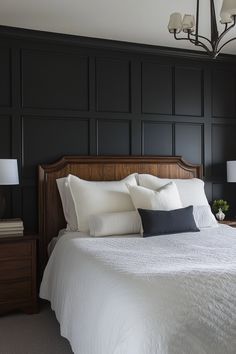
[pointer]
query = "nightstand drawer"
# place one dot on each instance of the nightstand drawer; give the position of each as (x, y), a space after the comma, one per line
(13, 291)
(15, 250)
(18, 283)
(15, 269)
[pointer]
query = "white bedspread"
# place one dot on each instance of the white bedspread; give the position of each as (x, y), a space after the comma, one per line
(173, 294)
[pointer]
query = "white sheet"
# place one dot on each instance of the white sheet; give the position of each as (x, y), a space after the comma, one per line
(61, 233)
(79, 234)
(172, 294)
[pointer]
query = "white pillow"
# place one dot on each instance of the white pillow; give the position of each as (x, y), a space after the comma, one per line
(191, 190)
(204, 217)
(67, 204)
(109, 224)
(166, 198)
(91, 198)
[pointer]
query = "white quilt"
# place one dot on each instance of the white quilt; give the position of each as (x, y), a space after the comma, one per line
(173, 294)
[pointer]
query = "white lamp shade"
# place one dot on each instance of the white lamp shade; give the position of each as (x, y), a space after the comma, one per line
(175, 22)
(8, 172)
(188, 23)
(231, 171)
(228, 11)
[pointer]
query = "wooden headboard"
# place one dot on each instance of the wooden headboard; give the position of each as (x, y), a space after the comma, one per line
(51, 218)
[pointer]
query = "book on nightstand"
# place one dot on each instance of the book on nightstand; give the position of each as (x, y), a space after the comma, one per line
(11, 227)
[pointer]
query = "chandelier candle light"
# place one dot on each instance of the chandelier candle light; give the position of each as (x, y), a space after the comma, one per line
(214, 45)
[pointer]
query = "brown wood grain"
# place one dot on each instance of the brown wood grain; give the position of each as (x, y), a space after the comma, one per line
(18, 281)
(15, 269)
(15, 250)
(97, 168)
(15, 290)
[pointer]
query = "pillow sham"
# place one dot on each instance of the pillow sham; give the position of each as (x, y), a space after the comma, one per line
(191, 190)
(109, 224)
(166, 198)
(162, 222)
(204, 217)
(91, 197)
(67, 204)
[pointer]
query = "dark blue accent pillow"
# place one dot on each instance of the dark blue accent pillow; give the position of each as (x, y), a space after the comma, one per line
(161, 222)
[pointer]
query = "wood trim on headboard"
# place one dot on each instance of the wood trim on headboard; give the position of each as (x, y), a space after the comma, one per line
(97, 168)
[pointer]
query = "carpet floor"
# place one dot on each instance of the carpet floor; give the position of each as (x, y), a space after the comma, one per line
(32, 334)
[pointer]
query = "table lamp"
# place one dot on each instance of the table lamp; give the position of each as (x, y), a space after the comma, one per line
(8, 176)
(231, 171)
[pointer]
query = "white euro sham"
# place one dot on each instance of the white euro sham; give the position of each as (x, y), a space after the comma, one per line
(67, 204)
(191, 191)
(91, 197)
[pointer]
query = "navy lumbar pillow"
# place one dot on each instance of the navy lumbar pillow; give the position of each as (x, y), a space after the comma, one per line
(161, 222)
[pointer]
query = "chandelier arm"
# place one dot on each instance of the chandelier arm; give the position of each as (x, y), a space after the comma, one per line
(230, 40)
(193, 41)
(182, 38)
(227, 29)
(179, 38)
(198, 43)
(202, 45)
(202, 37)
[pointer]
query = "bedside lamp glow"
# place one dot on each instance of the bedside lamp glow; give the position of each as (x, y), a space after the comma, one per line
(8, 176)
(231, 171)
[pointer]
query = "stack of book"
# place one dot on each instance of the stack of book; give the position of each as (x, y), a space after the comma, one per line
(11, 227)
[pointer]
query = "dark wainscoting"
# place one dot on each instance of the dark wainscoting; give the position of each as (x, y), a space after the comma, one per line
(79, 96)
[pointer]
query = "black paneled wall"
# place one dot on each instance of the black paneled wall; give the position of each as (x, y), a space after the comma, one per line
(61, 95)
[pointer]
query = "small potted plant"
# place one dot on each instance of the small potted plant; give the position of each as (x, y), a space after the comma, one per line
(220, 207)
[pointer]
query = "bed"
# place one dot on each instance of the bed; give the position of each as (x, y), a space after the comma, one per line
(172, 294)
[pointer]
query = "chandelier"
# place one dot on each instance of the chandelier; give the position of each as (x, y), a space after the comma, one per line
(214, 44)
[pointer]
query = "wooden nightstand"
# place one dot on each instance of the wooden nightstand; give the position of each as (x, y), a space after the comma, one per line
(18, 284)
(231, 223)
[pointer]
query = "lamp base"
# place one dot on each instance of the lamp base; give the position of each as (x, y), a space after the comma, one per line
(2, 205)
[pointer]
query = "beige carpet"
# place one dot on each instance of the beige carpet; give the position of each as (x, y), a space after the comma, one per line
(32, 334)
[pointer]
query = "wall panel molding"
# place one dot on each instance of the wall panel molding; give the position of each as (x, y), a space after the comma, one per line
(113, 85)
(5, 74)
(113, 137)
(189, 91)
(13, 33)
(54, 80)
(223, 148)
(157, 88)
(223, 92)
(189, 141)
(44, 139)
(157, 138)
(63, 94)
(5, 137)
